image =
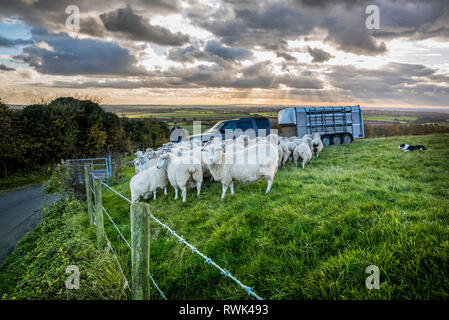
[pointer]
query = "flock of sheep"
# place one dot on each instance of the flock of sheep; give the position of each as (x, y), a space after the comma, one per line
(243, 159)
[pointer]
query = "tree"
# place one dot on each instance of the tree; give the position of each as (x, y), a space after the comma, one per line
(10, 140)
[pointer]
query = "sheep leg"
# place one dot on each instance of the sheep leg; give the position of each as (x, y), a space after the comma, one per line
(184, 193)
(284, 161)
(224, 188)
(176, 193)
(232, 188)
(198, 188)
(154, 195)
(165, 191)
(270, 183)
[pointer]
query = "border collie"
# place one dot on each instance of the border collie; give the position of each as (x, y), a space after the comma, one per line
(407, 147)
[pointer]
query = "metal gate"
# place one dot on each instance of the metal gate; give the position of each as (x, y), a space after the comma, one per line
(101, 167)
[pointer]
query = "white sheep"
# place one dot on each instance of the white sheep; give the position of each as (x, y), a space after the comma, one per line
(317, 144)
(280, 154)
(137, 163)
(302, 154)
(139, 154)
(297, 141)
(243, 140)
(204, 166)
(273, 138)
(308, 139)
(276, 141)
(147, 181)
(144, 166)
(251, 164)
(288, 148)
(182, 172)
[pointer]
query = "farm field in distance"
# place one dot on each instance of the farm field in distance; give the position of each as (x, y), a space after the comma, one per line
(315, 233)
(400, 119)
(209, 115)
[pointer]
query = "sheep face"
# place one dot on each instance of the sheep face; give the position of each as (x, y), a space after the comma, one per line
(150, 154)
(137, 162)
(162, 162)
(139, 154)
(214, 155)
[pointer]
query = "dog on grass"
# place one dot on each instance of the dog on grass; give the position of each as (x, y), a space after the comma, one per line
(408, 148)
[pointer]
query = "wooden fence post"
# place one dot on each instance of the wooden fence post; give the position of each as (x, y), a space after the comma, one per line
(140, 252)
(88, 183)
(99, 213)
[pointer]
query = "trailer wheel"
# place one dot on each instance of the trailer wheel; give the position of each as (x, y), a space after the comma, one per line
(326, 140)
(347, 139)
(336, 140)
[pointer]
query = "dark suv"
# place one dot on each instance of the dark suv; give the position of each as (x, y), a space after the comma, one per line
(224, 128)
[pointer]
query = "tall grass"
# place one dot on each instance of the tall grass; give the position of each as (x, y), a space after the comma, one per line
(315, 233)
(37, 268)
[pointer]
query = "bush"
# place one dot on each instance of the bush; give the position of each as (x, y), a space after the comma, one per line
(395, 129)
(68, 128)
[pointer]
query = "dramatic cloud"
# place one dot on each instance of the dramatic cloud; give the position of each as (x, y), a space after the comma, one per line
(128, 24)
(285, 55)
(64, 55)
(187, 54)
(227, 53)
(5, 68)
(161, 5)
(266, 26)
(294, 51)
(319, 55)
(414, 20)
(6, 42)
(410, 83)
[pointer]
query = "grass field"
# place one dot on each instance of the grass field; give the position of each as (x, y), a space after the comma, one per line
(400, 119)
(183, 114)
(266, 114)
(315, 233)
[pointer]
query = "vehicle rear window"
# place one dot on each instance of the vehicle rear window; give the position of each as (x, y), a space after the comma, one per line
(245, 125)
(262, 123)
(231, 125)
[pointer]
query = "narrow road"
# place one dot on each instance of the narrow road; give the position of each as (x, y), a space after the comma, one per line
(20, 212)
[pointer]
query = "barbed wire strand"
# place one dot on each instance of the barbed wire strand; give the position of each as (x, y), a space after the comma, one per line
(118, 230)
(126, 284)
(116, 192)
(207, 260)
(157, 287)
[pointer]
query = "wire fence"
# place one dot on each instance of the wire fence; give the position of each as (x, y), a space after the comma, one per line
(247, 289)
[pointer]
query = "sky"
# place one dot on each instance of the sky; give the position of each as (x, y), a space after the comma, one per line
(210, 52)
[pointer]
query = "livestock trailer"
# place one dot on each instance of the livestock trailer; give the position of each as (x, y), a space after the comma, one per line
(336, 125)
